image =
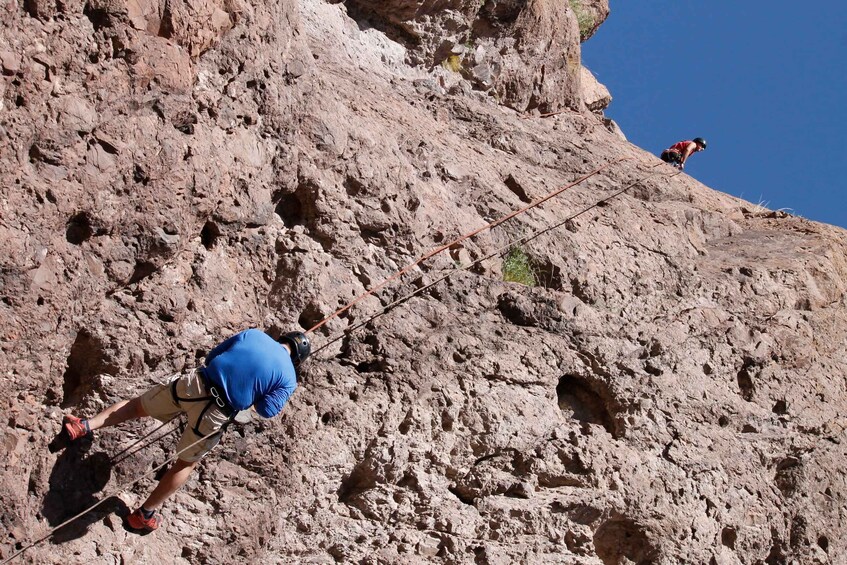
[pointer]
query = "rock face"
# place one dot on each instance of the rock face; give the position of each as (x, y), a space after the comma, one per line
(670, 389)
(525, 54)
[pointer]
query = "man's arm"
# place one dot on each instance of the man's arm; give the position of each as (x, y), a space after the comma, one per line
(272, 403)
(689, 149)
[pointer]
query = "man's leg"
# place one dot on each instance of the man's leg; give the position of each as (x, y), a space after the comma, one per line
(118, 413)
(145, 518)
(172, 480)
(122, 411)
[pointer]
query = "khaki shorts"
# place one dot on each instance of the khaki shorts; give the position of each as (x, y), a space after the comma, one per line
(159, 403)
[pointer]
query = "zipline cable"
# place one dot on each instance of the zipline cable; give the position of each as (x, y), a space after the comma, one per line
(426, 256)
(494, 253)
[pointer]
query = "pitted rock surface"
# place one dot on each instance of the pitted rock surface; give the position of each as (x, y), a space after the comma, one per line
(670, 390)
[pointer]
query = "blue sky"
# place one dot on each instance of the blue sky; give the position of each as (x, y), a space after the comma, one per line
(764, 82)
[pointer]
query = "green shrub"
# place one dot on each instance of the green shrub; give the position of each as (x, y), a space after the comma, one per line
(517, 267)
(452, 63)
(583, 17)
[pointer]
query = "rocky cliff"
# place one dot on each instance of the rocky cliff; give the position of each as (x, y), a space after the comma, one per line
(666, 385)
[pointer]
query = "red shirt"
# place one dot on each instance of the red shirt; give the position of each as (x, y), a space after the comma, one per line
(681, 146)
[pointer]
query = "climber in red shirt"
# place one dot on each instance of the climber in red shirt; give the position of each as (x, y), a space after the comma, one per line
(679, 152)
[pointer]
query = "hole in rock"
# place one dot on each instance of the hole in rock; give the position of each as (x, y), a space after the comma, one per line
(788, 474)
(516, 187)
(290, 209)
(622, 540)
(99, 18)
(729, 536)
(360, 479)
(780, 407)
(548, 275)
(310, 316)
(143, 269)
(464, 495)
(354, 186)
(745, 382)
(87, 359)
(777, 556)
(586, 404)
(797, 535)
(79, 229)
(823, 543)
(209, 234)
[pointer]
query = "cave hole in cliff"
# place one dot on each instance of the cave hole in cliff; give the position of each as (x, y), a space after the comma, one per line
(290, 210)
(548, 275)
(587, 402)
(729, 536)
(310, 316)
(789, 472)
(823, 543)
(517, 188)
(746, 386)
(86, 361)
(143, 269)
(79, 229)
(209, 234)
(98, 17)
(622, 540)
(360, 479)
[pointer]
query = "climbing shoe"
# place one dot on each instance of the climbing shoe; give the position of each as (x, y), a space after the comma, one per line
(75, 427)
(137, 521)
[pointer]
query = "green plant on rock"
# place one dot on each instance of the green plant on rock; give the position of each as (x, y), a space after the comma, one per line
(584, 18)
(452, 63)
(518, 267)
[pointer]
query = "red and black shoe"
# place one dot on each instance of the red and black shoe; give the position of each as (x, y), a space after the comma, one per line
(75, 427)
(137, 521)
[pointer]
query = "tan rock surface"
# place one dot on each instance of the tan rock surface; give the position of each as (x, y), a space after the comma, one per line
(671, 390)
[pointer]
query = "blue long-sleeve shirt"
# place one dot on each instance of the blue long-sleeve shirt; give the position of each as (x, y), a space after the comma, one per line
(252, 369)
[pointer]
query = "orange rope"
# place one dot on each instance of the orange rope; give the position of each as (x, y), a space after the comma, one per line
(426, 256)
(498, 251)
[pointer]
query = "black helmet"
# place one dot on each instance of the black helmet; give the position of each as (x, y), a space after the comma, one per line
(299, 345)
(700, 141)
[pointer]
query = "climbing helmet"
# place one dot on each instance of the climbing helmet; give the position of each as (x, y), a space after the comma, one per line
(299, 345)
(700, 141)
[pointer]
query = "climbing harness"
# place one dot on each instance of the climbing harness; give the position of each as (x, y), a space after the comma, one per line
(215, 398)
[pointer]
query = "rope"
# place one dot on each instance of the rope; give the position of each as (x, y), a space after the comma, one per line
(114, 459)
(386, 309)
(105, 498)
(426, 256)
(494, 253)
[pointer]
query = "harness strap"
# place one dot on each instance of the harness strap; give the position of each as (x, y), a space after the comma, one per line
(214, 399)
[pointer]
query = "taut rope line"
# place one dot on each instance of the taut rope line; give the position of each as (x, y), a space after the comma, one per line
(494, 253)
(426, 256)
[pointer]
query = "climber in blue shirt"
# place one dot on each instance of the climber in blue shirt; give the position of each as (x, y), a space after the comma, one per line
(248, 369)
(252, 369)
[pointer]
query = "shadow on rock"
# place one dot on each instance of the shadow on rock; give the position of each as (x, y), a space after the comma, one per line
(75, 479)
